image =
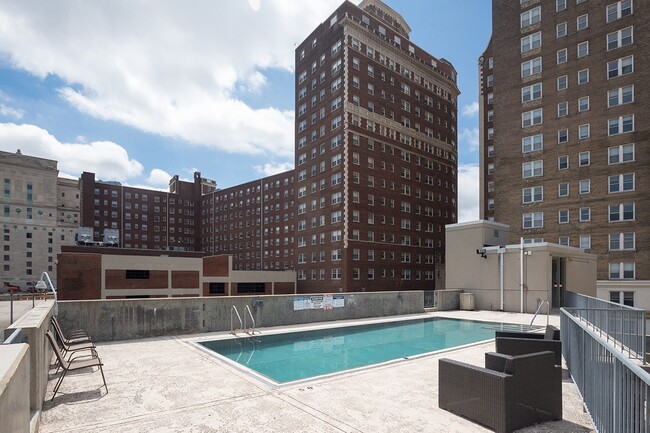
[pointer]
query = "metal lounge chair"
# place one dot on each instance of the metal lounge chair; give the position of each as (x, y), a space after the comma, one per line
(73, 345)
(76, 335)
(510, 393)
(74, 363)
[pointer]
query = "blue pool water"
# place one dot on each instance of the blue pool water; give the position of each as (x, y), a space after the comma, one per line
(300, 355)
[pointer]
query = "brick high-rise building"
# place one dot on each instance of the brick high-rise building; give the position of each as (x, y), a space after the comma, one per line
(376, 154)
(565, 132)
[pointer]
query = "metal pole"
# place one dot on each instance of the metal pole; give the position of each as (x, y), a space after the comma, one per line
(11, 306)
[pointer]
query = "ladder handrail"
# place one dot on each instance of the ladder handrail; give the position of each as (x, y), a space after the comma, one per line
(248, 310)
(539, 308)
(232, 329)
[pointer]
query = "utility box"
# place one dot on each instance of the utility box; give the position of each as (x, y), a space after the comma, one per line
(467, 301)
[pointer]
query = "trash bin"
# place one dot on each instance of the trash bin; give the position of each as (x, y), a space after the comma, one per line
(467, 301)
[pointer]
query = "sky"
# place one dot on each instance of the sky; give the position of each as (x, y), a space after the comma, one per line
(137, 91)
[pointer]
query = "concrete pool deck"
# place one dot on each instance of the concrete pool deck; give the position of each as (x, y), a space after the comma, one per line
(166, 384)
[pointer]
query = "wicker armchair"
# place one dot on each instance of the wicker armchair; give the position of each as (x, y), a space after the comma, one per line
(510, 393)
(520, 343)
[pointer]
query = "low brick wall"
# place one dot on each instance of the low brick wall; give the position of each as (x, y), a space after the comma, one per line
(124, 319)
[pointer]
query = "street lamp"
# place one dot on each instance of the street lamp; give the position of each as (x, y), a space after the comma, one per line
(42, 286)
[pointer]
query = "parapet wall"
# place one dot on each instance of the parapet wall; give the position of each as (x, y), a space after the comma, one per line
(124, 319)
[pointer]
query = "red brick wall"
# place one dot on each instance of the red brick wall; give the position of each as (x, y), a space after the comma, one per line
(185, 279)
(215, 266)
(79, 276)
(116, 279)
(284, 288)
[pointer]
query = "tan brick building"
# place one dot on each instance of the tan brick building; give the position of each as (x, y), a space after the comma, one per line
(565, 130)
(40, 213)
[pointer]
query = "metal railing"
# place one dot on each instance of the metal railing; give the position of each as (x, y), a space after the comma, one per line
(622, 326)
(16, 337)
(233, 330)
(539, 308)
(250, 314)
(614, 388)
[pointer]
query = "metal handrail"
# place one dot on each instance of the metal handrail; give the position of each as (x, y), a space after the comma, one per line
(539, 308)
(16, 337)
(248, 310)
(232, 328)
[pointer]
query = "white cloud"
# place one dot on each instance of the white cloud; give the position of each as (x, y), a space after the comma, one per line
(11, 112)
(469, 139)
(270, 169)
(174, 69)
(468, 192)
(470, 110)
(159, 177)
(106, 159)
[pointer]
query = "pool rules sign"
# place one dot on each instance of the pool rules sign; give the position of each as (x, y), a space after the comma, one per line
(324, 302)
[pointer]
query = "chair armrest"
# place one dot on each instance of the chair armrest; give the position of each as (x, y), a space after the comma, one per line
(521, 346)
(528, 335)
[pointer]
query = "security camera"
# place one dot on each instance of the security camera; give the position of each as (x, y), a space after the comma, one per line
(482, 252)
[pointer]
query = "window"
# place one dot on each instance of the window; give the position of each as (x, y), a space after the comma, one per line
(620, 38)
(621, 271)
(532, 169)
(531, 16)
(621, 212)
(562, 109)
(619, 10)
(561, 56)
(530, 118)
(560, 30)
(584, 159)
(625, 298)
(621, 183)
(563, 189)
(532, 143)
(533, 194)
(585, 241)
(562, 82)
(137, 274)
(562, 136)
(583, 77)
(582, 22)
(585, 186)
(531, 93)
(531, 42)
(531, 67)
(620, 125)
(622, 241)
(563, 240)
(583, 49)
(585, 214)
(621, 154)
(583, 104)
(622, 95)
(583, 131)
(622, 66)
(563, 216)
(560, 5)
(563, 162)
(533, 220)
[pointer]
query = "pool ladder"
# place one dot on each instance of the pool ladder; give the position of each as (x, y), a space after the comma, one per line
(242, 324)
(539, 308)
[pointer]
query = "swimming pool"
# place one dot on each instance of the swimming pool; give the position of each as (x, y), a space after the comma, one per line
(300, 355)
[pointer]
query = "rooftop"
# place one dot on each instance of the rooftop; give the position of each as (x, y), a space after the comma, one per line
(167, 384)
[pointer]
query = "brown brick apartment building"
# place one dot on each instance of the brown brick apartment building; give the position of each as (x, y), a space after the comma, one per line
(254, 222)
(565, 131)
(376, 154)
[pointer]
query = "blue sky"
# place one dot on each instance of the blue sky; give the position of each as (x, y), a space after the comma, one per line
(138, 91)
